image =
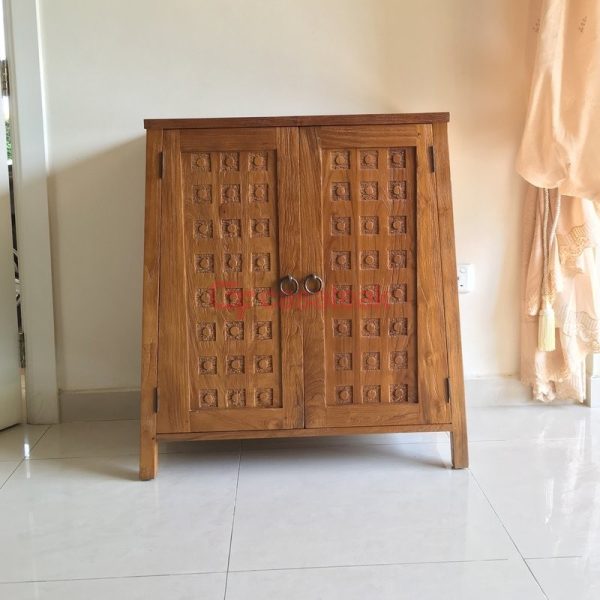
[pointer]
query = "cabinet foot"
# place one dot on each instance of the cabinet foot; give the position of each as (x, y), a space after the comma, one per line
(148, 454)
(459, 448)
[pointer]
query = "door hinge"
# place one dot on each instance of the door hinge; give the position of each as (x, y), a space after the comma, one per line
(161, 164)
(448, 390)
(432, 158)
(156, 400)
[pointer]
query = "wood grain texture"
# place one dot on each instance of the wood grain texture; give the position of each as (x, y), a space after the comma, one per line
(173, 381)
(431, 329)
(148, 444)
(313, 322)
(459, 443)
(290, 257)
(298, 121)
(300, 433)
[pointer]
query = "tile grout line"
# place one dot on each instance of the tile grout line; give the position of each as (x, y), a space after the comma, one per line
(39, 440)
(12, 473)
(23, 458)
(510, 537)
(237, 483)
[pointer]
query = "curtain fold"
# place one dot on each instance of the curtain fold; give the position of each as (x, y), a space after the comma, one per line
(559, 156)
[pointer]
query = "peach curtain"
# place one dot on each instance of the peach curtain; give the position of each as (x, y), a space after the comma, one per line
(560, 153)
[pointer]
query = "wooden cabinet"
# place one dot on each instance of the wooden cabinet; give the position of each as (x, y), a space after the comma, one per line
(299, 280)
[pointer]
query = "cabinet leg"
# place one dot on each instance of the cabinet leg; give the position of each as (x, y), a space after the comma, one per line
(148, 452)
(460, 448)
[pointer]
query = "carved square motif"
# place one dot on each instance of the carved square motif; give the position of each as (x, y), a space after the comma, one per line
(202, 194)
(261, 261)
(371, 327)
(342, 294)
(371, 361)
(371, 394)
(206, 332)
(231, 228)
(262, 296)
(257, 161)
(397, 225)
(230, 193)
(230, 161)
(264, 397)
(340, 159)
(207, 398)
(204, 263)
(263, 364)
(397, 259)
(399, 360)
(369, 259)
(398, 393)
(260, 228)
(369, 159)
(207, 365)
(235, 365)
(236, 398)
(370, 294)
(343, 361)
(340, 225)
(369, 225)
(369, 190)
(342, 327)
(396, 158)
(205, 297)
(340, 261)
(233, 262)
(234, 330)
(340, 190)
(343, 394)
(263, 330)
(234, 296)
(398, 326)
(258, 192)
(203, 228)
(398, 293)
(397, 190)
(201, 161)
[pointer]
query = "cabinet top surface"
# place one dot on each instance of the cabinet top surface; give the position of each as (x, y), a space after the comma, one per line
(303, 121)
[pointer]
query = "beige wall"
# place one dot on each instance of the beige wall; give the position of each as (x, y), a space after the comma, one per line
(109, 63)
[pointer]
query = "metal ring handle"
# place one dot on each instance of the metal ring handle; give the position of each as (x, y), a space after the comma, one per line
(310, 278)
(293, 281)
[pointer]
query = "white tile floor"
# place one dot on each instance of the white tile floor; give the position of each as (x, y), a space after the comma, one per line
(378, 517)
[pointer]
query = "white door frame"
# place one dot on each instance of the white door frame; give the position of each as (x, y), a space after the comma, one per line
(31, 206)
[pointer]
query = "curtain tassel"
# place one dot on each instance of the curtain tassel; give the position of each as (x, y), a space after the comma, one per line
(546, 328)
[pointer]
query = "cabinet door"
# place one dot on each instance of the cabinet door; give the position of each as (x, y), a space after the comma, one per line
(229, 353)
(374, 336)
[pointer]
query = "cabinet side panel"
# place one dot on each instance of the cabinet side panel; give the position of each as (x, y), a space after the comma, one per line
(460, 457)
(148, 445)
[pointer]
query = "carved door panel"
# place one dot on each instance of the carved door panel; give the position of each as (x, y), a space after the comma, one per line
(375, 347)
(229, 348)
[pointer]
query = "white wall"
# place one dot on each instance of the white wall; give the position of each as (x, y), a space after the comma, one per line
(108, 64)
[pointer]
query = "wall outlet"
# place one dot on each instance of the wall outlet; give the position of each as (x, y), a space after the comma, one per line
(466, 278)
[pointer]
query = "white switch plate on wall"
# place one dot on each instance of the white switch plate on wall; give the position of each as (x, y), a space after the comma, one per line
(466, 278)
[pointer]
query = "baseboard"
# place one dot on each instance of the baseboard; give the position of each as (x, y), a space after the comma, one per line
(99, 405)
(497, 391)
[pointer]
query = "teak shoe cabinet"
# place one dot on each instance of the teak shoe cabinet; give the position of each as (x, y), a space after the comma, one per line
(299, 280)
